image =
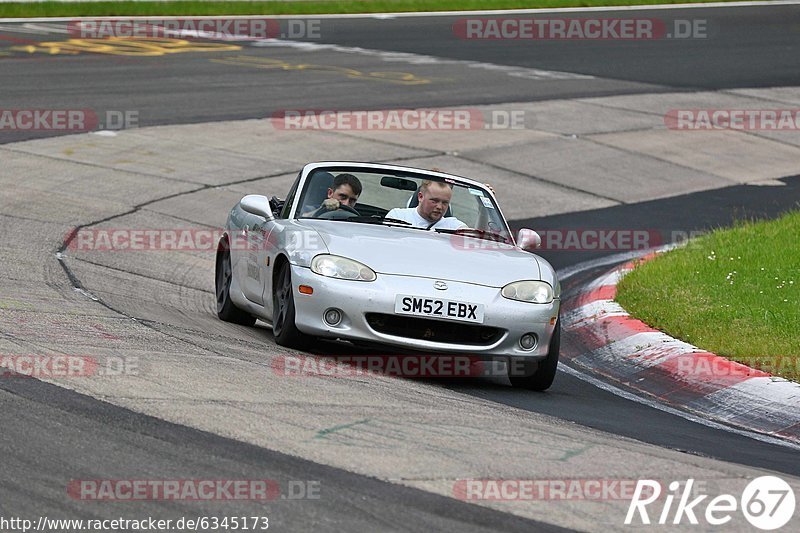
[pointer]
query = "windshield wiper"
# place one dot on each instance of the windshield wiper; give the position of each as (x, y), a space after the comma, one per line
(476, 233)
(377, 220)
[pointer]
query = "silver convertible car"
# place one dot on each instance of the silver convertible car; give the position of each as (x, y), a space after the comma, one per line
(395, 256)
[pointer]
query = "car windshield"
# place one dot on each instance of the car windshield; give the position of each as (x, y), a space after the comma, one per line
(382, 191)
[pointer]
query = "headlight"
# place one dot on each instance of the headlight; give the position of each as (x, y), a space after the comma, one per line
(334, 266)
(538, 292)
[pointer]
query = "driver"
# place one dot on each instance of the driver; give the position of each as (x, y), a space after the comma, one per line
(434, 199)
(345, 190)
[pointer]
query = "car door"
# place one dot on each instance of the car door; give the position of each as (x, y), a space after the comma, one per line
(256, 238)
(266, 260)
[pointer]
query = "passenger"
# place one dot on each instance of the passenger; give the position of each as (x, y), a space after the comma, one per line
(434, 199)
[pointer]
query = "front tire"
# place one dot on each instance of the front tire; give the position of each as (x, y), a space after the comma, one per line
(542, 377)
(226, 309)
(283, 317)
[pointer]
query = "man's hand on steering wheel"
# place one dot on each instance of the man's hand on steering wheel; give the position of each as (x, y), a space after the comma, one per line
(330, 204)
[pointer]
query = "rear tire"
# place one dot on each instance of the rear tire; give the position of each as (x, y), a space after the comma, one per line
(283, 312)
(226, 309)
(542, 377)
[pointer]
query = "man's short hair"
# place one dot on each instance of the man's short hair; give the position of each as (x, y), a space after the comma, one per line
(427, 183)
(347, 179)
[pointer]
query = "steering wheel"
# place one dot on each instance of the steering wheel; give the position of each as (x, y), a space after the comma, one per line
(349, 209)
(341, 213)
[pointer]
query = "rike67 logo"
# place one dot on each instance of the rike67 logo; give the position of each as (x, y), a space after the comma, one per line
(767, 502)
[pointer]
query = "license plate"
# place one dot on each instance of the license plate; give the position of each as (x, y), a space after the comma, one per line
(437, 308)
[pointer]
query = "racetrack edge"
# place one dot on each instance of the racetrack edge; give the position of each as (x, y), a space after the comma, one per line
(623, 349)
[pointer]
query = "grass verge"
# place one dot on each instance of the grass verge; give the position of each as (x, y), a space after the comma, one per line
(734, 292)
(298, 7)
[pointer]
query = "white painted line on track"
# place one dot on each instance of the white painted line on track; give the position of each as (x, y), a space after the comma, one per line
(421, 59)
(46, 28)
(406, 14)
(26, 28)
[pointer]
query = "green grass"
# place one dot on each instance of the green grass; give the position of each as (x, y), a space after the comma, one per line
(734, 292)
(300, 7)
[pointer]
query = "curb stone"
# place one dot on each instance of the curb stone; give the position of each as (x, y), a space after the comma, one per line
(624, 349)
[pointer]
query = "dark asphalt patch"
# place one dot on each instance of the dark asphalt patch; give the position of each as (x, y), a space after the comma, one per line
(75, 437)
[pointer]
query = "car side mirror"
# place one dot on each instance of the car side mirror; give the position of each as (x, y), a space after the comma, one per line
(257, 205)
(529, 240)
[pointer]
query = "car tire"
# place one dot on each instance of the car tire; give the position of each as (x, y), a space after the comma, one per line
(226, 309)
(283, 317)
(542, 377)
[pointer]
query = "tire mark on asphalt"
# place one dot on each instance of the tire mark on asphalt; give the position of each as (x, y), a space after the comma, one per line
(323, 433)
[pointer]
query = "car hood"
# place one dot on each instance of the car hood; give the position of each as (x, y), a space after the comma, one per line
(419, 253)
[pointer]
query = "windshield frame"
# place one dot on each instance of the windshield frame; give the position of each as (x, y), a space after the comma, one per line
(389, 170)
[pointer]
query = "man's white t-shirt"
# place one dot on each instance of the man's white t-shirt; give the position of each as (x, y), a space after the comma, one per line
(412, 216)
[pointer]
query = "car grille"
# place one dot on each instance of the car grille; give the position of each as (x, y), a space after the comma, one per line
(427, 329)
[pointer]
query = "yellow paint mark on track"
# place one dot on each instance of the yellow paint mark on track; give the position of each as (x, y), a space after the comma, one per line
(401, 78)
(124, 46)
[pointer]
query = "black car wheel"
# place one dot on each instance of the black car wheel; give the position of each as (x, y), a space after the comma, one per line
(226, 309)
(283, 317)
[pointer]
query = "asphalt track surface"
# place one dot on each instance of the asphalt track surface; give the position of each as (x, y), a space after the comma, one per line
(95, 439)
(751, 47)
(744, 47)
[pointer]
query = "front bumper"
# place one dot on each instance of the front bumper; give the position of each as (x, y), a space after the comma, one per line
(362, 303)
